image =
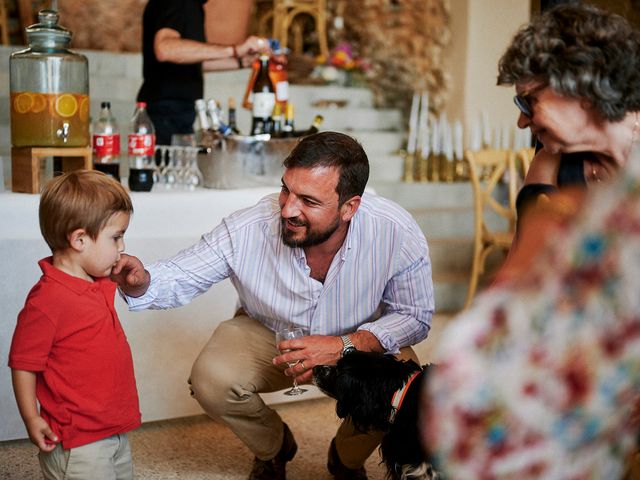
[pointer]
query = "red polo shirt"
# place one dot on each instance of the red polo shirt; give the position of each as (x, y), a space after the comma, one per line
(69, 334)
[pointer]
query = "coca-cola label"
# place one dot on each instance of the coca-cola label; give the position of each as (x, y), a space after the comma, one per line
(263, 103)
(141, 144)
(106, 145)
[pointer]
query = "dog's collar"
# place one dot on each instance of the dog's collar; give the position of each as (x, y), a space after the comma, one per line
(398, 396)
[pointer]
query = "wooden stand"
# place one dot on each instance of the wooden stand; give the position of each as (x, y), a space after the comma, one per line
(25, 164)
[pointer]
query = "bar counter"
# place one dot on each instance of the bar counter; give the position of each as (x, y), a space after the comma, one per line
(164, 343)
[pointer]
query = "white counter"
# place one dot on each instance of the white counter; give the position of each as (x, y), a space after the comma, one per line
(164, 343)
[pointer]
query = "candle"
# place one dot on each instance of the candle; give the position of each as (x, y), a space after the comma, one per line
(413, 124)
(423, 122)
(457, 140)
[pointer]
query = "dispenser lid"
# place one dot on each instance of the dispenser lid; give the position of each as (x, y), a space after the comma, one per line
(47, 31)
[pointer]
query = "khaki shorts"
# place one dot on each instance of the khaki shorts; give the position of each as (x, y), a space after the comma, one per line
(107, 459)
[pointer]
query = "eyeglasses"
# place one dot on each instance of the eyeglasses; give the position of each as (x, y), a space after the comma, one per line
(523, 103)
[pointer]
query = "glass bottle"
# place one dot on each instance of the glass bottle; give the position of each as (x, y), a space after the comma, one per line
(289, 126)
(141, 143)
(49, 89)
(233, 125)
(106, 142)
(264, 99)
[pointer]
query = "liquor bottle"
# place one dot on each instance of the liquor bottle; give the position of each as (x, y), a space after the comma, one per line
(204, 133)
(218, 126)
(276, 128)
(106, 143)
(314, 128)
(288, 127)
(232, 116)
(264, 99)
(141, 143)
(278, 73)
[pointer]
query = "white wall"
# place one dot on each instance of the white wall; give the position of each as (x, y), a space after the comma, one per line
(481, 30)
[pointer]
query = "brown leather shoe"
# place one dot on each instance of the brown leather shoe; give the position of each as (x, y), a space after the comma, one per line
(274, 469)
(338, 470)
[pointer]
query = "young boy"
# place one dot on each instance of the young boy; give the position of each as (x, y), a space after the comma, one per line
(69, 350)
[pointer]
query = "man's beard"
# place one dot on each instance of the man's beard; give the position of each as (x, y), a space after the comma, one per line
(312, 237)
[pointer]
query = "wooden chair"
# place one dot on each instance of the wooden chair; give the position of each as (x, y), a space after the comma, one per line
(285, 11)
(525, 156)
(487, 169)
(4, 23)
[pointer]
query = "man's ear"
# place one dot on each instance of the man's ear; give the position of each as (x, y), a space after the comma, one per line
(349, 208)
(78, 239)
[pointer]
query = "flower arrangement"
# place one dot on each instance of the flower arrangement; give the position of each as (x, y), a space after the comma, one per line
(342, 67)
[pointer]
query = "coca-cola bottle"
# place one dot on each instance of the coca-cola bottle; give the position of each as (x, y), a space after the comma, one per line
(141, 143)
(106, 143)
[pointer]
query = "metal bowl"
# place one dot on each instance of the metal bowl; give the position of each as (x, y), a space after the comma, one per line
(245, 161)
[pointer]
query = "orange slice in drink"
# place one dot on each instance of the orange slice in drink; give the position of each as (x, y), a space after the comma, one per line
(22, 103)
(84, 109)
(39, 103)
(66, 105)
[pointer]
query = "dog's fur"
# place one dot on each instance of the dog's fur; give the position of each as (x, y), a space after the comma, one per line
(363, 383)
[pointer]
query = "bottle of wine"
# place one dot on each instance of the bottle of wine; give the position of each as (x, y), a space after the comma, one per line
(264, 99)
(278, 73)
(314, 128)
(276, 130)
(205, 136)
(288, 127)
(232, 116)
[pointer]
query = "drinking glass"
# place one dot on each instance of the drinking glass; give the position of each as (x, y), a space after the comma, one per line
(290, 333)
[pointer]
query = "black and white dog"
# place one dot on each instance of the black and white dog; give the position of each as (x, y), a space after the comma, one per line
(381, 393)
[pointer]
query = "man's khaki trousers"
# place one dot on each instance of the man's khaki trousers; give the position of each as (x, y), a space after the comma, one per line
(234, 366)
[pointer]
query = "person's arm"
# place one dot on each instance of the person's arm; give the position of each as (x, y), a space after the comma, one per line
(543, 169)
(24, 388)
(407, 319)
(169, 46)
(130, 275)
(175, 281)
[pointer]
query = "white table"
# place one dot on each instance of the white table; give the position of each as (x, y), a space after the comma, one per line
(164, 343)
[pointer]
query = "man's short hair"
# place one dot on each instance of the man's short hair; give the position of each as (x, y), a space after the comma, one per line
(79, 199)
(333, 149)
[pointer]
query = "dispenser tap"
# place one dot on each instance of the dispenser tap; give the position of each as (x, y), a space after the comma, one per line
(63, 132)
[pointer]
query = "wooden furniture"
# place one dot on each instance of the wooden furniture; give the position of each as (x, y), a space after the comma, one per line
(487, 169)
(284, 13)
(4, 23)
(524, 157)
(26, 162)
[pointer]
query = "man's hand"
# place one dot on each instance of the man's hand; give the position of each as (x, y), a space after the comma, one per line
(252, 45)
(39, 431)
(308, 352)
(130, 275)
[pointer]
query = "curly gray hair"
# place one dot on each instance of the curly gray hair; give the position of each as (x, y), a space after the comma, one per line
(580, 51)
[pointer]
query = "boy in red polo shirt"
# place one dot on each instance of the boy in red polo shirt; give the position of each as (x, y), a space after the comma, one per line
(69, 350)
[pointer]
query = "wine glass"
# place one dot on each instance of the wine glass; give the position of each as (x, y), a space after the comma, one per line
(290, 333)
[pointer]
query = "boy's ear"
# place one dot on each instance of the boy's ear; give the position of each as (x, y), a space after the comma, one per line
(78, 239)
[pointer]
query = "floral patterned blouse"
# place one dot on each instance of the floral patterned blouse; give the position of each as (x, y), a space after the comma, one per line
(540, 380)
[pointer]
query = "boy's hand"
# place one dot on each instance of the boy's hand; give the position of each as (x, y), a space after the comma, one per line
(130, 275)
(39, 430)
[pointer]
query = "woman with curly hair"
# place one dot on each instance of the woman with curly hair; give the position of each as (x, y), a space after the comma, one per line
(540, 378)
(576, 71)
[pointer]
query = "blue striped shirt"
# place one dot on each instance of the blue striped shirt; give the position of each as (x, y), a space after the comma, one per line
(379, 280)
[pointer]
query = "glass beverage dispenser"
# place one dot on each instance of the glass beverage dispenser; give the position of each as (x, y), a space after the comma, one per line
(49, 89)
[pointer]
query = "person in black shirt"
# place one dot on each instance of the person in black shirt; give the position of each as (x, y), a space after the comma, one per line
(175, 53)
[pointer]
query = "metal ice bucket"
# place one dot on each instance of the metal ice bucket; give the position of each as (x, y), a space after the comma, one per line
(243, 161)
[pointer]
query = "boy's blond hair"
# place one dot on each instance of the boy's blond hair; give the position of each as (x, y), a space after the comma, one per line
(79, 199)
